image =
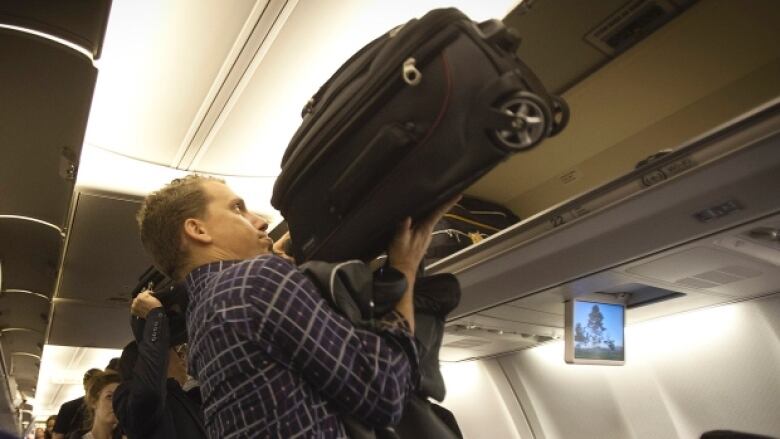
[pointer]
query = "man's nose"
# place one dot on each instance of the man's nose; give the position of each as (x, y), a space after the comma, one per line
(259, 222)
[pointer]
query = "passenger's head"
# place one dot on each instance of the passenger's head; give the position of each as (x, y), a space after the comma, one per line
(88, 375)
(113, 365)
(195, 220)
(50, 423)
(99, 397)
(40, 433)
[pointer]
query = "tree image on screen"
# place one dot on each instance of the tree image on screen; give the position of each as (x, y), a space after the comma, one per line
(598, 331)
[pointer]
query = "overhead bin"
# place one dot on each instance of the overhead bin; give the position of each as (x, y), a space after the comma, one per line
(46, 95)
(82, 22)
(29, 254)
(708, 185)
(23, 313)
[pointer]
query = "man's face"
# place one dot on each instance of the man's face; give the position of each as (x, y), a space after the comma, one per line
(236, 233)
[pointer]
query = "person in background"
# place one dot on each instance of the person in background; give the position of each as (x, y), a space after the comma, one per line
(100, 412)
(49, 433)
(151, 403)
(71, 415)
(40, 433)
(113, 365)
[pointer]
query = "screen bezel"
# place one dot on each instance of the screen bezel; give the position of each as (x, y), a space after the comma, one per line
(569, 333)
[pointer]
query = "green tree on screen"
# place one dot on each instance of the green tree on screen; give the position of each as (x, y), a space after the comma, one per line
(596, 326)
(579, 334)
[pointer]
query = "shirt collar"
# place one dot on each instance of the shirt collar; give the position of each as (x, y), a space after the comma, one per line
(196, 279)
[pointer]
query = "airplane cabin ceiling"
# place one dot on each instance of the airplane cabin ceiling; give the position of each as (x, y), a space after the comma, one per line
(161, 63)
(227, 100)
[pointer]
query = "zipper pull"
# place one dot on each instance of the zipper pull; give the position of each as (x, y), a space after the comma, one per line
(308, 108)
(409, 72)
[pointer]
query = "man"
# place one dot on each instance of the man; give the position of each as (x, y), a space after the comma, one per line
(71, 415)
(150, 402)
(273, 359)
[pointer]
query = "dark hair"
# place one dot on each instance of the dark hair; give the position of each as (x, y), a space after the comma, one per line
(113, 364)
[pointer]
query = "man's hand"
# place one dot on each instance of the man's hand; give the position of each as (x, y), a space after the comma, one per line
(407, 250)
(411, 240)
(144, 303)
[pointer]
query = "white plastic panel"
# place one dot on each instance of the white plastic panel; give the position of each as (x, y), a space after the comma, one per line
(479, 396)
(684, 374)
(160, 61)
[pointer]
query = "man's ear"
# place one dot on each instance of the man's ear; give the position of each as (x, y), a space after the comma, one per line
(196, 230)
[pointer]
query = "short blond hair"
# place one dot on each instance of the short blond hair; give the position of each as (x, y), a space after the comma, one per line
(161, 221)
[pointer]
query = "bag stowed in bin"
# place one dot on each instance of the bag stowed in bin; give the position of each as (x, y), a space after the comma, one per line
(410, 120)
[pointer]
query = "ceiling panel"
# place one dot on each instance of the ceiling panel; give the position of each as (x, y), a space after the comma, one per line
(315, 40)
(81, 22)
(29, 253)
(62, 370)
(160, 62)
(104, 256)
(46, 93)
(81, 324)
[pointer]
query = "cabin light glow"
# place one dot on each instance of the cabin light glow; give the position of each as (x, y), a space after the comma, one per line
(105, 170)
(461, 377)
(61, 373)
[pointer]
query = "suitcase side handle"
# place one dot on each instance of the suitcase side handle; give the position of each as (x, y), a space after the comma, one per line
(385, 149)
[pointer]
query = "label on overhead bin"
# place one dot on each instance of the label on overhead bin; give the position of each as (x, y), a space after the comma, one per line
(667, 171)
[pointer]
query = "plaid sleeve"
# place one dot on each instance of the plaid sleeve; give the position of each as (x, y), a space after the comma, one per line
(367, 374)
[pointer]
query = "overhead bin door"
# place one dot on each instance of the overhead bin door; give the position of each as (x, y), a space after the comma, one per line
(82, 22)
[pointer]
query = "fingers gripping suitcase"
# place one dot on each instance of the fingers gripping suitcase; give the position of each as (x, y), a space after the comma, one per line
(409, 121)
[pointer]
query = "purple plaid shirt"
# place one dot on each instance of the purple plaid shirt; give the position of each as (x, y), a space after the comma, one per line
(274, 360)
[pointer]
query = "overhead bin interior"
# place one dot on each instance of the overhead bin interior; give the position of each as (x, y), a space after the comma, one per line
(711, 63)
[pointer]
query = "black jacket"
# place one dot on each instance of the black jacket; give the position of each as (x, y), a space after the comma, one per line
(150, 405)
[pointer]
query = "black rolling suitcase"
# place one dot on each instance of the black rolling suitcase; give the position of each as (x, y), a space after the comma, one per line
(410, 120)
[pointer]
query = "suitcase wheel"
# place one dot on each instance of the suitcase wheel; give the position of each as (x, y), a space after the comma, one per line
(560, 115)
(531, 124)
